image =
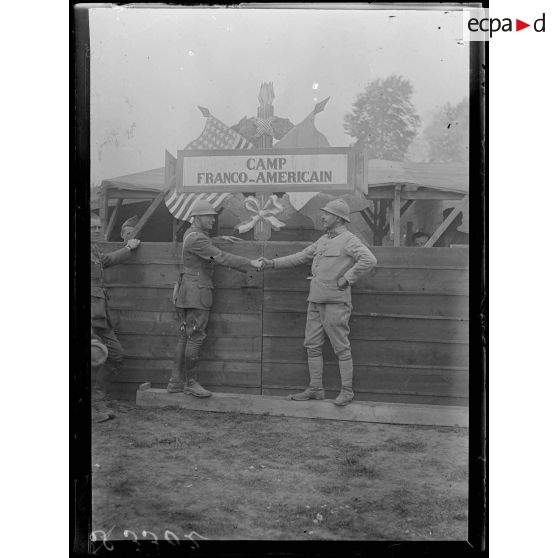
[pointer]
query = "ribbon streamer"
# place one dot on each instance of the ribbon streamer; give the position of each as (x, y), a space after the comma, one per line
(267, 213)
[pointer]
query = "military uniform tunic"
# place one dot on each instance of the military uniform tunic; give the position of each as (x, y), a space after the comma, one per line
(334, 255)
(100, 315)
(193, 295)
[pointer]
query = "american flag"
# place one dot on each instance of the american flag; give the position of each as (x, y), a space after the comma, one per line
(215, 135)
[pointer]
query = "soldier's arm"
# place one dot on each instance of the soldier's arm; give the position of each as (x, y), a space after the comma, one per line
(303, 257)
(204, 248)
(116, 257)
(364, 260)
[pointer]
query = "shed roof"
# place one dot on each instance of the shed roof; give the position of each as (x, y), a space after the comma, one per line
(450, 177)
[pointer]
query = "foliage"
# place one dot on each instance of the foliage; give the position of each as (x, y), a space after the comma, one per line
(447, 136)
(383, 118)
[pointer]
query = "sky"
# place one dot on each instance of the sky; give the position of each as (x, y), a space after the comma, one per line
(151, 68)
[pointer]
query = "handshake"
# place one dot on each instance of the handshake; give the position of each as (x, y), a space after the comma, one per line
(262, 263)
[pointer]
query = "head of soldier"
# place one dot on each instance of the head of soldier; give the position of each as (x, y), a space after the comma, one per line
(334, 214)
(126, 232)
(96, 228)
(203, 214)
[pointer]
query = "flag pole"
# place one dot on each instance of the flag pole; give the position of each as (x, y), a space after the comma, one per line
(262, 229)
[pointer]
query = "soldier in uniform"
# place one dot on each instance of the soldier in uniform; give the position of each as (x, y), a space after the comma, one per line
(193, 297)
(338, 259)
(128, 228)
(101, 324)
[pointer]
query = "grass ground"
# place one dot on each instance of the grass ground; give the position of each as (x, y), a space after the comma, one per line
(233, 476)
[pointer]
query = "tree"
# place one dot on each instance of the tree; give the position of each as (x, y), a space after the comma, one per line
(447, 135)
(384, 119)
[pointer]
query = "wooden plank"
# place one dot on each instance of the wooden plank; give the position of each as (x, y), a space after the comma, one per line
(373, 379)
(423, 304)
(396, 351)
(112, 220)
(144, 195)
(446, 223)
(279, 406)
(103, 213)
(365, 213)
(406, 206)
(150, 210)
(397, 216)
(169, 252)
(390, 398)
(229, 301)
(416, 195)
(214, 348)
(167, 323)
(289, 324)
(128, 391)
(389, 255)
(211, 373)
(381, 279)
(165, 274)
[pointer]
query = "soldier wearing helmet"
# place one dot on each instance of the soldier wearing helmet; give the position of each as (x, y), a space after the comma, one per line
(338, 259)
(128, 228)
(193, 296)
(101, 324)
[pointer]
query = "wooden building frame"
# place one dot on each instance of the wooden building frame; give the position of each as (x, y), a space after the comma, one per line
(389, 182)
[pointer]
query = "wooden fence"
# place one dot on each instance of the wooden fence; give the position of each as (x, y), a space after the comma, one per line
(409, 327)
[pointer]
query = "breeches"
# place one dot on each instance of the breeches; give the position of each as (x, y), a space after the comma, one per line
(193, 326)
(331, 319)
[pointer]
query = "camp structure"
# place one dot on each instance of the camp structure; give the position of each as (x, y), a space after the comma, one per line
(409, 326)
(421, 191)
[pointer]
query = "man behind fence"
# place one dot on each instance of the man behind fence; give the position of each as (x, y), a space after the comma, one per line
(193, 296)
(101, 324)
(338, 259)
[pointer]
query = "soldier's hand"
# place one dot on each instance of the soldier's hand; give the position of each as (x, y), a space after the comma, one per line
(342, 282)
(265, 263)
(231, 238)
(133, 243)
(256, 264)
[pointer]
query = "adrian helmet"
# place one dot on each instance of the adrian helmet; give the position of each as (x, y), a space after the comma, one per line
(99, 353)
(338, 208)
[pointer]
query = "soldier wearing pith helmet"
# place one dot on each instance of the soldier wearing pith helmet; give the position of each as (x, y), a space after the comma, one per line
(193, 296)
(338, 259)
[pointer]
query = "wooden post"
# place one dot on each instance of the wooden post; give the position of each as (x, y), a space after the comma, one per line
(174, 229)
(397, 216)
(112, 220)
(103, 212)
(262, 230)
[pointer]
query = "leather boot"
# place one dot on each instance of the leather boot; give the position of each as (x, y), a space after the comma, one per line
(316, 389)
(193, 388)
(346, 395)
(102, 382)
(100, 412)
(176, 382)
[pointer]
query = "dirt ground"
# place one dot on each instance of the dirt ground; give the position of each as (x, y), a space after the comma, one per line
(232, 476)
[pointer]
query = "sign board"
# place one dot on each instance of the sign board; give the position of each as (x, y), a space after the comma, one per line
(329, 170)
